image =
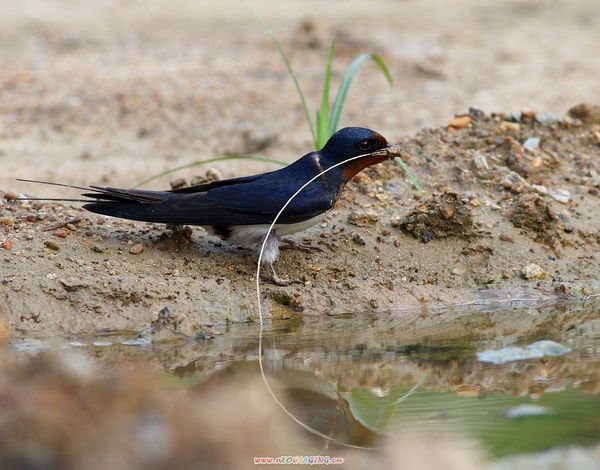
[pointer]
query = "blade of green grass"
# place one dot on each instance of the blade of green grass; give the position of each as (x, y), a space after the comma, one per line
(209, 160)
(277, 44)
(411, 176)
(347, 80)
(323, 113)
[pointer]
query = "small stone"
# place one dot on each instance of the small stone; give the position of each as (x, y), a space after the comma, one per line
(7, 245)
(52, 245)
(506, 238)
(136, 249)
(527, 115)
(546, 118)
(361, 218)
(513, 179)
(178, 183)
(213, 175)
(61, 233)
(533, 272)
(460, 122)
(97, 249)
(561, 195)
(480, 163)
(531, 143)
(10, 196)
(585, 112)
(358, 239)
(396, 221)
(196, 180)
(524, 410)
(507, 126)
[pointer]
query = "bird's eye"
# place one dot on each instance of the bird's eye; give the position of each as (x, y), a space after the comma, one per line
(364, 144)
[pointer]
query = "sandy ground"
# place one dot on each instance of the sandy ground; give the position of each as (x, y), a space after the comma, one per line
(111, 92)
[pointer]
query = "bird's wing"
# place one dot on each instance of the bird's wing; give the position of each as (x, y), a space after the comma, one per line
(268, 195)
(256, 202)
(247, 200)
(192, 209)
(200, 188)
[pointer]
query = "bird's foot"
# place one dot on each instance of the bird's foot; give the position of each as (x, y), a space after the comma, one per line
(275, 279)
(293, 245)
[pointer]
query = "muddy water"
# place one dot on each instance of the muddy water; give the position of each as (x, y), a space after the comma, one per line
(359, 378)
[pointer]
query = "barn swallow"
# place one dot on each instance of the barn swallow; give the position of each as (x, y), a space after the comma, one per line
(241, 210)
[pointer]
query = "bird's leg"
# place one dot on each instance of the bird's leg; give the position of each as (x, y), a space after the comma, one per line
(275, 279)
(270, 254)
(290, 244)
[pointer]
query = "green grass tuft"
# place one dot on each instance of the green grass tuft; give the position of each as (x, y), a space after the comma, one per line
(327, 117)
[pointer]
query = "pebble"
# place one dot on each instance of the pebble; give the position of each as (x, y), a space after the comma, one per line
(542, 348)
(396, 221)
(10, 196)
(196, 180)
(513, 178)
(585, 112)
(524, 410)
(358, 239)
(178, 183)
(546, 118)
(510, 126)
(531, 143)
(61, 233)
(561, 195)
(360, 218)
(51, 244)
(136, 249)
(533, 272)
(480, 162)
(7, 245)
(97, 249)
(213, 174)
(460, 122)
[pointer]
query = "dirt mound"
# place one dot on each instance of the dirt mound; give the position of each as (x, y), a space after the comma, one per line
(443, 216)
(531, 212)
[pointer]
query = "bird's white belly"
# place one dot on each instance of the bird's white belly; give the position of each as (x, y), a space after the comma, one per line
(253, 234)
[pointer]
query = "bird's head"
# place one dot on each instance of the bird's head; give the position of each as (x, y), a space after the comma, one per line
(353, 142)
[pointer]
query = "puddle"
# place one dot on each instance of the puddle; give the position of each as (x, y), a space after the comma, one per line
(357, 379)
